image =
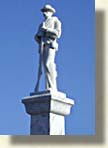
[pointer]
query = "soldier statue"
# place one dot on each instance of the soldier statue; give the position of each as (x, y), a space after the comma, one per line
(48, 33)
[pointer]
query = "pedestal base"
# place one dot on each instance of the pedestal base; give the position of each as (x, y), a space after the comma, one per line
(47, 124)
(47, 110)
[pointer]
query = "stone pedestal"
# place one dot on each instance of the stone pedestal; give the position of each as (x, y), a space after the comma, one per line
(47, 110)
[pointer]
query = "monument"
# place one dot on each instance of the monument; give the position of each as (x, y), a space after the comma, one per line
(48, 108)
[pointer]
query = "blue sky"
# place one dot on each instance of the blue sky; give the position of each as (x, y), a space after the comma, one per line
(19, 21)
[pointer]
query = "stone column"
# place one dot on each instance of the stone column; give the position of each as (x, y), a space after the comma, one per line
(47, 110)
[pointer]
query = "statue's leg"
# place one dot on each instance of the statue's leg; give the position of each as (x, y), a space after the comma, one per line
(50, 68)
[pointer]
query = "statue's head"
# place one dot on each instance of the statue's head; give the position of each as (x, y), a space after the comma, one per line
(48, 11)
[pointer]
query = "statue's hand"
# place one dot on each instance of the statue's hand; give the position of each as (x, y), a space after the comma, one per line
(52, 33)
(43, 29)
(37, 38)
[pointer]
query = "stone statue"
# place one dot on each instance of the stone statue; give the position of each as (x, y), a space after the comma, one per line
(48, 33)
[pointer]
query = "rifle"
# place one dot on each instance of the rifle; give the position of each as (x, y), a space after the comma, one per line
(40, 64)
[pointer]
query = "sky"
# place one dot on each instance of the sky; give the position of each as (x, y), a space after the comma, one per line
(75, 59)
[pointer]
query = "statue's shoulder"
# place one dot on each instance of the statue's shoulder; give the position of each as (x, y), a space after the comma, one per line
(56, 18)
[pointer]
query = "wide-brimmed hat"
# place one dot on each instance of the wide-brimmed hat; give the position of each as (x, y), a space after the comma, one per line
(48, 8)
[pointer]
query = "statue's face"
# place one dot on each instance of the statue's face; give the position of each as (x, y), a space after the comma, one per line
(47, 14)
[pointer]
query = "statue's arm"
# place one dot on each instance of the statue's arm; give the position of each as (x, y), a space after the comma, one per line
(38, 35)
(57, 28)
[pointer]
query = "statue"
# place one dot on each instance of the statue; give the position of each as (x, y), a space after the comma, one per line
(48, 33)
